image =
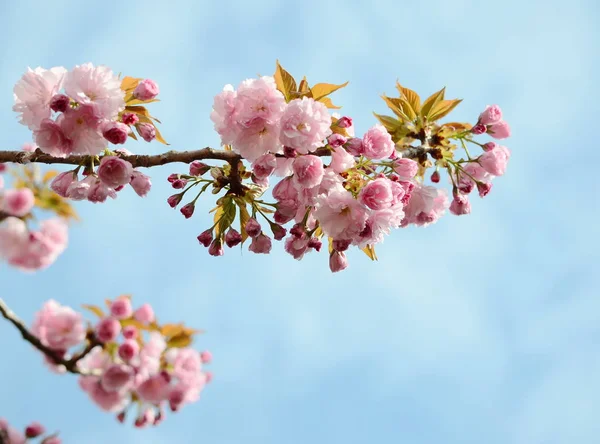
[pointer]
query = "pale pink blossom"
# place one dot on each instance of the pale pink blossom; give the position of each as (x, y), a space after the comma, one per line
(341, 160)
(147, 89)
(154, 389)
(283, 167)
(460, 205)
(427, 204)
(406, 168)
(285, 190)
(144, 314)
(146, 131)
(117, 378)
(128, 350)
(61, 183)
(51, 139)
(264, 166)
(340, 215)
(121, 308)
(308, 171)
(222, 115)
(98, 85)
(82, 128)
(114, 171)
(18, 202)
(108, 401)
(79, 189)
(500, 130)
(297, 246)
(186, 363)
(377, 194)
(14, 436)
(108, 329)
(377, 143)
(99, 192)
(305, 124)
(260, 244)
(336, 140)
(33, 94)
(29, 147)
(58, 327)
(379, 224)
(495, 161)
(470, 172)
(491, 115)
(140, 183)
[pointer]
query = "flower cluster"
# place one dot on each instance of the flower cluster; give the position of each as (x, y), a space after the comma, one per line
(111, 176)
(10, 435)
(79, 111)
(369, 185)
(127, 359)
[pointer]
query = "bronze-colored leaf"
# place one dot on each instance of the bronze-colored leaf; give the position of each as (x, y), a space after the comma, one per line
(303, 88)
(411, 97)
(135, 323)
(244, 216)
(431, 101)
(397, 106)
(442, 109)
(285, 82)
(179, 341)
(49, 176)
(391, 124)
(328, 103)
(321, 90)
(369, 250)
(94, 309)
(170, 330)
(330, 242)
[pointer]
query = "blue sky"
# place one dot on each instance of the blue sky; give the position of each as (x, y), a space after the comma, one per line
(482, 328)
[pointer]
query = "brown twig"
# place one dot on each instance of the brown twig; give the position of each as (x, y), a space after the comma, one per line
(69, 364)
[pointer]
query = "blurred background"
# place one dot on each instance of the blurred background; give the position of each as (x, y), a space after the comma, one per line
(483, 328)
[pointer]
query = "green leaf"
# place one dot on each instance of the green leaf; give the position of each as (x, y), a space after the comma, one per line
(431, 101)
(94, 309)
(224, 216)
(321, 90)
(244, 216)
(442, 109)
(285, 82)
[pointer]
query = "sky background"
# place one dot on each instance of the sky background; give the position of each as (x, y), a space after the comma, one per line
(483, 328)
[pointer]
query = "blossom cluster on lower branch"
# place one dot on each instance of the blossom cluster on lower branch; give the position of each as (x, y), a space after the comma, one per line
(126, 360)
(35, 430)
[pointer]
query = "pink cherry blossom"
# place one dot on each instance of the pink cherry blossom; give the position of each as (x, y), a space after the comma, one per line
(144, 314)
(260, 244)
(377, 143)
(99, 192)
(18, 202)
(341, 160)
(117, 378)
(308, 171)
(146, 131)
(115, 132)
(82, 128)
(60, 103)
(491, 115)
(155, 389)
(337, 261)
(121, 308)
(108, 329)
(379, 224)
(427, 204)
(61, 183)
(14, 436)
(500, 130)
(114, 171)
(186, 363)
(128, 350)
(222, 115)
(98, 85)
(355, 146)
(406, 168)
(147, 89)
(460, 205)
(34, 92)
(34, 430)
(495, 161)
(377, 194)
(140, 183)
(78, 190)
(264, 166)
(108, 401)
(297, 246)
(341, 216)
(305, 124)
(51, 139)
(58, 327)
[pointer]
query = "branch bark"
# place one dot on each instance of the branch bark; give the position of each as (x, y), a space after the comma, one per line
(69, 364)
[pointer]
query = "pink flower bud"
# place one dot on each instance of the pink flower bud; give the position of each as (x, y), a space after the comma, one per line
(114, 171)
(460, 205)
(289, 152)
(484, 188)
(144, 314)
(336, 140)
(206, 357)
(500, 130)
(198, 168)
(130, 118)
(60, 103)
(344, 122)
(298, 230)
(99, 191)
(341, 244)
(232, 238)
(117, 378)
(2, 168)
(61, 183)
(121, 417)
(121, 308)
(406, 168)
(146, 90)
(205, 238)
(188, 209)
(173, 177)
(174, 200)
(495, 161)
(18, 202)
(216, 248)
(377, 194)
(130, 332)
(435, 177)
(252, 227)
(479, 129)
(278, 231)
(490, 146)
(354, 146)
(140, 183)
(34, 430)
(264, 166)
(337, 261)
(492, 114)
(146, 131)
(315, 243)
(115, 132)
(261, 244)
(107, 330)
(128, 350)
(178, 184)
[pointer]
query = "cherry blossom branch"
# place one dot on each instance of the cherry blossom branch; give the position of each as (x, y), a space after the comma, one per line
(69, 364)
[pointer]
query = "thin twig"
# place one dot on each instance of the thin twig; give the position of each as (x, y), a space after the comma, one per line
(69, 364)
